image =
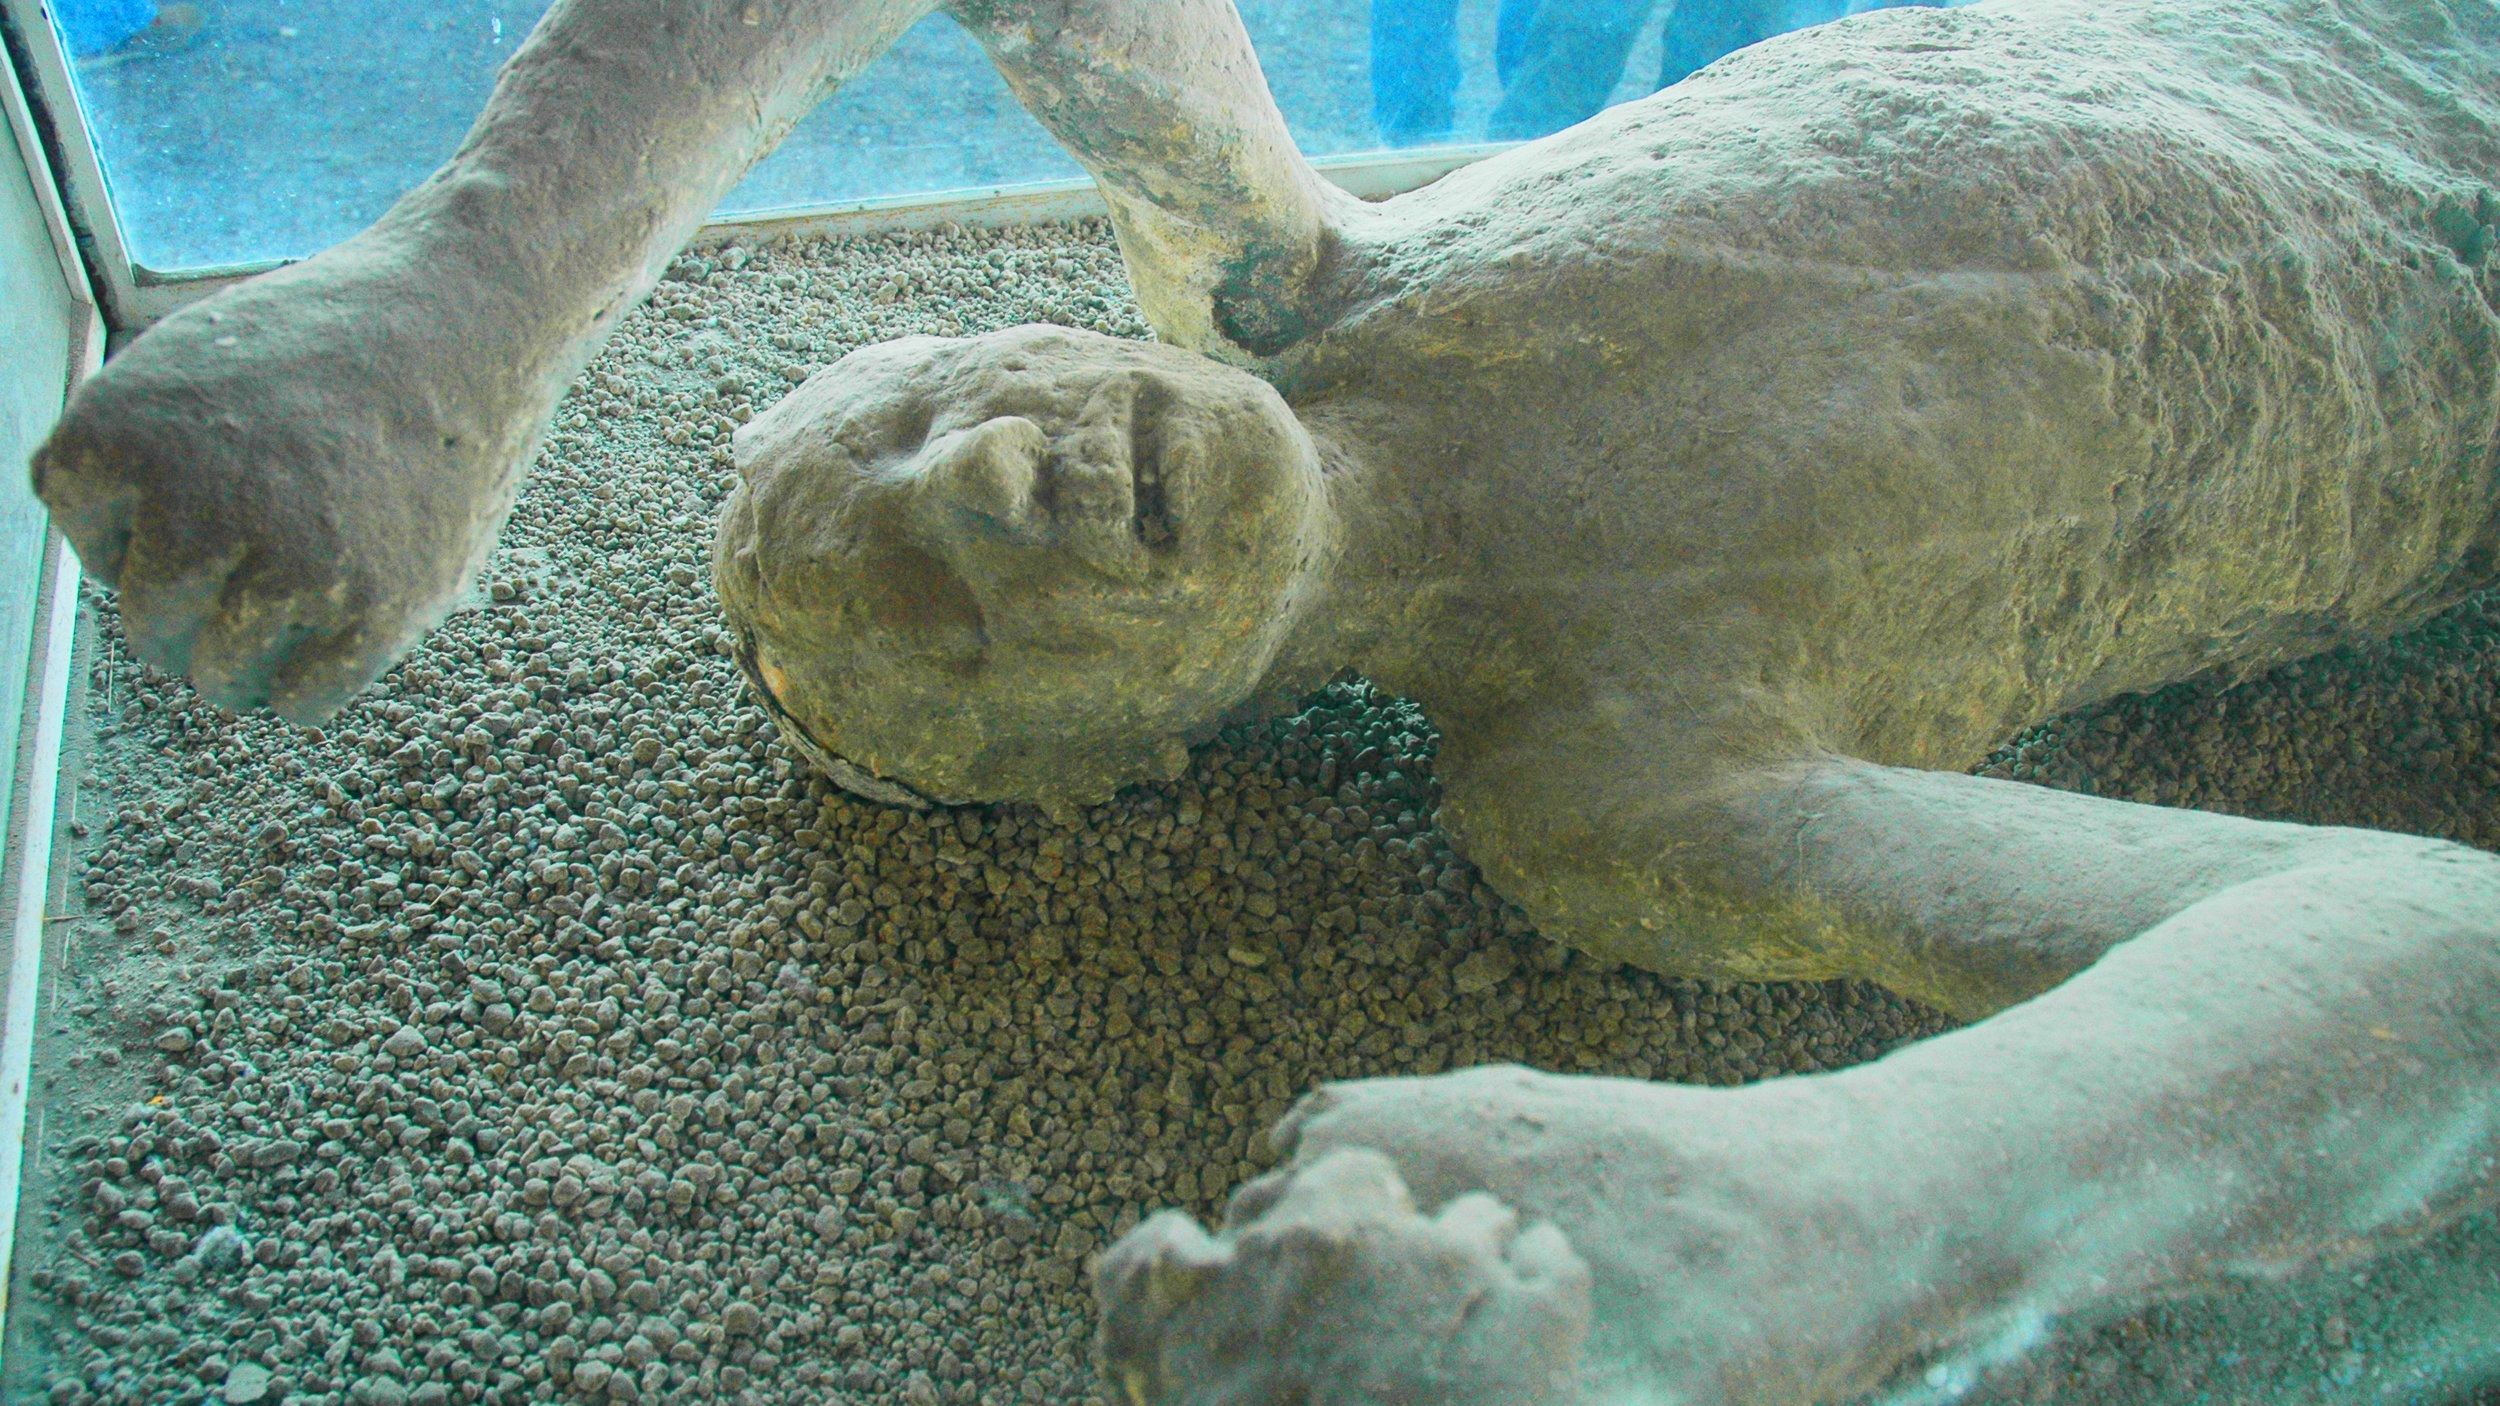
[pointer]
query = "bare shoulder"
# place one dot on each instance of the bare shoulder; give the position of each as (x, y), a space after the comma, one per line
(2012, 137)
(1848, 304)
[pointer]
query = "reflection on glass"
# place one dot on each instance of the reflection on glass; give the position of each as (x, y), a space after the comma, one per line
(278, 127)
(1558, 61)
(240, 130)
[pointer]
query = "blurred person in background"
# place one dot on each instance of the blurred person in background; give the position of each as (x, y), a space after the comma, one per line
(1558, 60)
(1415, 69)
(1568, 55)
(115, 29)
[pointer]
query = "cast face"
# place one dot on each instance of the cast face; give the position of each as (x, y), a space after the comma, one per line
(1031, 565)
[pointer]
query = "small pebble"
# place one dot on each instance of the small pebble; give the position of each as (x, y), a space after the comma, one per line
(221, 1247)
(245, 1382)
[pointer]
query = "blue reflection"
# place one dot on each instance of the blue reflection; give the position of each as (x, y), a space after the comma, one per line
(92, 27)
(233, 130)
(1415, 69)
(1699, 34)
(1558, 60)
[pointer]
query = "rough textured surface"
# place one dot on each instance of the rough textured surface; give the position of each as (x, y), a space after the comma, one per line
(1036, 566)
(1428, 972)
(2044, 399)
(1878, 393)
(1722, 477)
(287, 501)
(1038, 1030)
(1899, 385)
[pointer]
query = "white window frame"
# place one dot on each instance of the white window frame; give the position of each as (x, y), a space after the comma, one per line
(29, 875)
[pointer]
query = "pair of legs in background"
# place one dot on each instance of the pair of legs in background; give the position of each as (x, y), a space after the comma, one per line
(1557, 59)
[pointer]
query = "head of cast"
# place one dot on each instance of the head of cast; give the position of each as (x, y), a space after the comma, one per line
(1033, 565)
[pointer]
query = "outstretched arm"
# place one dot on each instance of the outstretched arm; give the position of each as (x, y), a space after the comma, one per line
(1972, 894)
(290, 481)
(2298, 1067)
(619, 125)
(2292, 1057)
(2280, 1044)
(1227, 230)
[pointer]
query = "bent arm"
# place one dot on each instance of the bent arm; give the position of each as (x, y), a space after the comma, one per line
(1972, 894)
(621, 123)
(289, 481)
(2300, 1069)
(2274, 1044)
(613, 133)
(1226, 229)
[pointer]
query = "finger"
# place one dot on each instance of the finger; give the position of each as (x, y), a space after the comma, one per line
(1255, 1197)
(1543, 1255)
(322, 675)
(1157, 1268)
(245, 637)
(1152, 1273)
(1342, 1190)
(1529, 1332)
(167, 603)
(1286, 1136)
(93, 507)
(1479, 1217)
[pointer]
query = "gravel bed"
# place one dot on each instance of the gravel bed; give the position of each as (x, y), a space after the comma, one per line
(542, 1030)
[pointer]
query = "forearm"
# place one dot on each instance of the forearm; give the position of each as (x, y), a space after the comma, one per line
(613, 133)
(1972, 894)
(2301, 1067)
(1224, 224)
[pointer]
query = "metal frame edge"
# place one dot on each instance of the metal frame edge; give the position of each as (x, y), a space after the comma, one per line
(82, 186)
(26, 885)
(30, 880)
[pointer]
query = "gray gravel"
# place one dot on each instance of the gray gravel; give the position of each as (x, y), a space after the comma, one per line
(543, 1031)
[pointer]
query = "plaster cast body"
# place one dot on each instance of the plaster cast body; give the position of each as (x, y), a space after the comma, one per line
(1721, 474)
(1740, 425)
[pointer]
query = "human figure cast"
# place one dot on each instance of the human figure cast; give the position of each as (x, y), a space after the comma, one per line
(1725, 474)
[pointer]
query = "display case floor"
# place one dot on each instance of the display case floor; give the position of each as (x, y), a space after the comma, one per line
(543, 1030)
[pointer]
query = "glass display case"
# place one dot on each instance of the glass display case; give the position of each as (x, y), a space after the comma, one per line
(240, 133)
(602, 1006)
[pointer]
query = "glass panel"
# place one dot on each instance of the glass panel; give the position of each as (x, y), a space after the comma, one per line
(930, 115)
(40, 322)
(259, 129)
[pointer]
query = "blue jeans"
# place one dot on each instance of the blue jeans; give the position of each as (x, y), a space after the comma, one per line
(1415, 65)
(1699, 34)
(1560, 59)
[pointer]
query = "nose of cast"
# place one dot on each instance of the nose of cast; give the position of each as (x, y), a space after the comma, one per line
(1007, 483)
(983, 480)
